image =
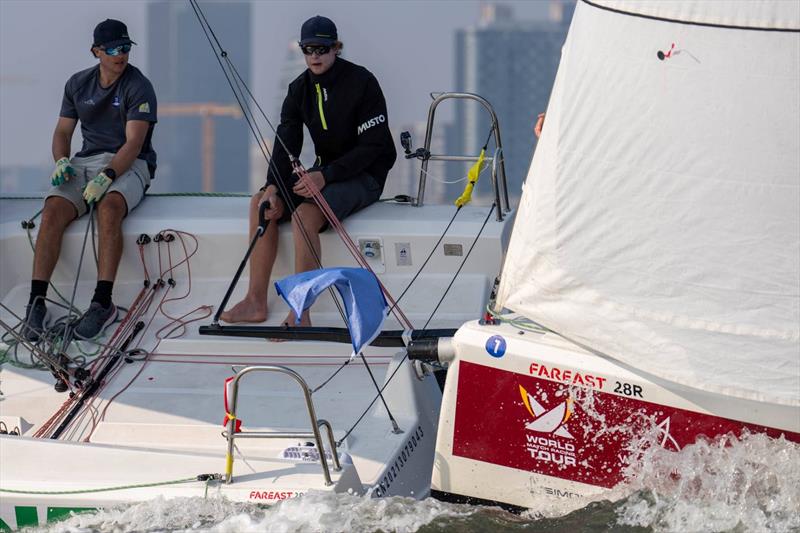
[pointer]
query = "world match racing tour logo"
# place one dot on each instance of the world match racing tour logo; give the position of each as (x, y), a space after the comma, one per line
(545, 426)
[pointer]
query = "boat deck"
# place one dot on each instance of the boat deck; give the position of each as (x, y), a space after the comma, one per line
(171, 401)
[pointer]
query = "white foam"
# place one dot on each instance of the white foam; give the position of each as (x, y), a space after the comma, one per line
(314, 512)
(750, 483)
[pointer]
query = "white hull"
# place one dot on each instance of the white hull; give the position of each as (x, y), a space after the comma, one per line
(162, 421)
(487, 432)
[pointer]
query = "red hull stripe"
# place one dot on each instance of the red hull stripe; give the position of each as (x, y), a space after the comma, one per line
(534, 424)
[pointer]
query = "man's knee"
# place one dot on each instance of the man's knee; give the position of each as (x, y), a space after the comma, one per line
(310, 216)
(255, 200)
(58, 212)
(112, 208)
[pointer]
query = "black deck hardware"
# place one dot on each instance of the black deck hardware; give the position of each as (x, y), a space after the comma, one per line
(388, 338)
(93, 384)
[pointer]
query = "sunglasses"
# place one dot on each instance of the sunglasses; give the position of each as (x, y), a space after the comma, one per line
(315, 50)
(117, 50)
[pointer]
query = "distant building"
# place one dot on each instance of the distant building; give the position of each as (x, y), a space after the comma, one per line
(184, 71)
(512, 64)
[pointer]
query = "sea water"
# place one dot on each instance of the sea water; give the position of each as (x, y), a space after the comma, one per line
(751, 483)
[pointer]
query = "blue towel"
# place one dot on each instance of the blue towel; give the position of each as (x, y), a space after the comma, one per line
(363, 298)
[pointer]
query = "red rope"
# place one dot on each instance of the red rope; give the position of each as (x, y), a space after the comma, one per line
(348, 242)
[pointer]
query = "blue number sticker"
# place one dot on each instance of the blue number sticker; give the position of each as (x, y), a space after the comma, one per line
(496, 346)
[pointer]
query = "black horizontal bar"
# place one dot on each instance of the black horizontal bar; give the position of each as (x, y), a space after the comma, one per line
(391, 338)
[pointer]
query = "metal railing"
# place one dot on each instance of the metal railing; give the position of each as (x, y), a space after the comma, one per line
(498, 178)
(231, 434)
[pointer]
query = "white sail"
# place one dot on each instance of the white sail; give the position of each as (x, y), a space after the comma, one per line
(660, 220)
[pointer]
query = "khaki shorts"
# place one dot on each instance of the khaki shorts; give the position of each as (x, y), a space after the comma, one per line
(130, 185)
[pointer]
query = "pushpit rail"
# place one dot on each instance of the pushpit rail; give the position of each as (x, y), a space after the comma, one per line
(230, 433)
(498, 170)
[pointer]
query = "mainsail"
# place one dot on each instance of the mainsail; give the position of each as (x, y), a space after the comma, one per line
(660, 220)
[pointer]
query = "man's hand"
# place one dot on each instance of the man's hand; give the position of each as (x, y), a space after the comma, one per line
(275, 211)
(537, 129)
(301, 188)
(96, 188)
(63, 172)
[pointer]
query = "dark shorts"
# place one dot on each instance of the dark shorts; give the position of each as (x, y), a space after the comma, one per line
(344, 197)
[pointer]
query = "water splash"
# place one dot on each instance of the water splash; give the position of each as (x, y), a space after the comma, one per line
(314, 512)
(747, 483)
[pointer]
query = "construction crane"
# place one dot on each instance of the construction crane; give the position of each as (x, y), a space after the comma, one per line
(205, 110)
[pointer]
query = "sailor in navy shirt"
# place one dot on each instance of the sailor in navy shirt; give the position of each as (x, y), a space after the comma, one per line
(116, 107)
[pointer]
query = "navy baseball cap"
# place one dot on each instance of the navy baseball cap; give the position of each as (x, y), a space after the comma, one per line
(318, 30)
(111, 33)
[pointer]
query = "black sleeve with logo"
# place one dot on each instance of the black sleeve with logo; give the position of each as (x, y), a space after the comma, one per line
(373, 140)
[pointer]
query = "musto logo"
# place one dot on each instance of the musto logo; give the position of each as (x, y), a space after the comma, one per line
(548, 438)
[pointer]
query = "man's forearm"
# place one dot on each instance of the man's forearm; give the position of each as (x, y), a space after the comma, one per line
(61, 145)
(125, 157)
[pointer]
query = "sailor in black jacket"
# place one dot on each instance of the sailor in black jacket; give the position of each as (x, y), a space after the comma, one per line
(343, 107)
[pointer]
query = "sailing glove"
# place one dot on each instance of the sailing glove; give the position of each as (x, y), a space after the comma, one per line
(96, 188)
(62, 173)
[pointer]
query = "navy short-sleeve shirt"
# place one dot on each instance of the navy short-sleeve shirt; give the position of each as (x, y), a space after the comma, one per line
(103, 112)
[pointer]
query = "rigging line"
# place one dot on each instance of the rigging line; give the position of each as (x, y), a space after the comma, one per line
(201, 15)
(219, 51)
(52, 286)
(441, 238)
(395, 427)
(287, 198)
(282, 186)
(400, 364)
(433, 250)
(464, 262)
(65, 340)
(249, 115)
(143, 309)
(296, 163)
(346, 362)
(348, 242)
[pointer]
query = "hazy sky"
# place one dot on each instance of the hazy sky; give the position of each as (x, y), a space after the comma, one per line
(408, 45)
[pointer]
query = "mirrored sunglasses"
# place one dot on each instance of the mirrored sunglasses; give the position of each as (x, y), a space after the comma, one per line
(315, 49)
(117, 50)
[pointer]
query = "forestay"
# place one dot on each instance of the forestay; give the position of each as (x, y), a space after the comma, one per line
(660, 221)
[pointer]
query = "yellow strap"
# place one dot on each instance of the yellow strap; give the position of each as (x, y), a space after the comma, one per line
(319, 104)
(229, 465)
(230, 416)
(472, 178)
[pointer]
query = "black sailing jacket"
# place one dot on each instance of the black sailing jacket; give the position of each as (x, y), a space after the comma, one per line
(345, 112)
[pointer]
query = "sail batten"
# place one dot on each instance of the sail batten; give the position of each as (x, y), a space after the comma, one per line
(660, 220)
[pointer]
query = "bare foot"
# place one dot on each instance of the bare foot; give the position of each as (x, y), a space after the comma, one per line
(291, 320)
(247, 310)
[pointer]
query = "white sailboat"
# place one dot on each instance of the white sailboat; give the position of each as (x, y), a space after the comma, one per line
(652, 280)
(156, 422)
(652, 277)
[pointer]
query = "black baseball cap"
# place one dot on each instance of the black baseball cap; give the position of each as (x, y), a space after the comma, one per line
(318, 30)
(111, 33)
